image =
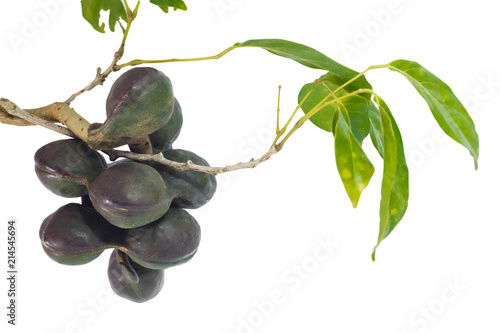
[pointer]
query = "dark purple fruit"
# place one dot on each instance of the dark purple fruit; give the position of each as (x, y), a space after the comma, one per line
(65, 167)
(192, 189)
(170, 241)
(130, 195)
(139, 103)
(132, 281)
(163, 138)
(76, 235)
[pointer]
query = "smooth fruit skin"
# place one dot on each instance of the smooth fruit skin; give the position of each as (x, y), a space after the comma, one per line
(171, 241)
(65, 167)
(132, 281)
(76, 235)
(139, 103)
(193, 189)
(130, 195)
(163, 138)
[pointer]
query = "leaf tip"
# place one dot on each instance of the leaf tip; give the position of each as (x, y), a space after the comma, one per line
(373, 253)
(355, 197)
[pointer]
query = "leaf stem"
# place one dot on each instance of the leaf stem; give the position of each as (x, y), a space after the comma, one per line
(127, 7)
(283, 130)
(360, 75)
(318, 108)
(131, 17)
(323, 102)
(278, 112)
(141, 62)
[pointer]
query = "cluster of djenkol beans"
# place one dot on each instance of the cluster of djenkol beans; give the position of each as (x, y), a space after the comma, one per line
(136, 209)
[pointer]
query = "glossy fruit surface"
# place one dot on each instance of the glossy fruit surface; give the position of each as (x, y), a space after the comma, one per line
(65, 167)
(193, 189)
(132, 281)
(163, 138)
(133, 208)
(170, 241)
(130, 195)
(76, 235)
(139, 103)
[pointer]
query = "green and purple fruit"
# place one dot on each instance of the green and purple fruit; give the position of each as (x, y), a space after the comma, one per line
(192, 189)
(163, 138)
(132, 281)
(139, 103)
(65, 167)
(76, 235)
(130, 194)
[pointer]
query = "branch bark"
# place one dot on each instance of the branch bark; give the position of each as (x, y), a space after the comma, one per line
(158, 158)
(100, 76)
(11, 114)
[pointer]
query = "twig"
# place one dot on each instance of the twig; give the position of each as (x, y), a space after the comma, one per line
(101, 77)
(158, 158)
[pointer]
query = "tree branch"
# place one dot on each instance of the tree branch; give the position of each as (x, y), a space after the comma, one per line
(11, 114)
(100, 77)
(158, 158)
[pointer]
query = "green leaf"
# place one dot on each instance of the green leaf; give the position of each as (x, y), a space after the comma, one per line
(376, 131)
(395, 183)
(91, 11)
(318, 92)
(166, 4)
(356, 109)
(309, 57)
(354, 167)
(356, 106)
(448, 111)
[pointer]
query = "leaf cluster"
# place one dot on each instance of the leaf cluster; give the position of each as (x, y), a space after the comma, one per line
(118, 10)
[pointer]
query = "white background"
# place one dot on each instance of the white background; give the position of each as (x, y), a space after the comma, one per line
(264, 225)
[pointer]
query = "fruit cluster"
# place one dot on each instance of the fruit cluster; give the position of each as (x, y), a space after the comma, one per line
(137, 209)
